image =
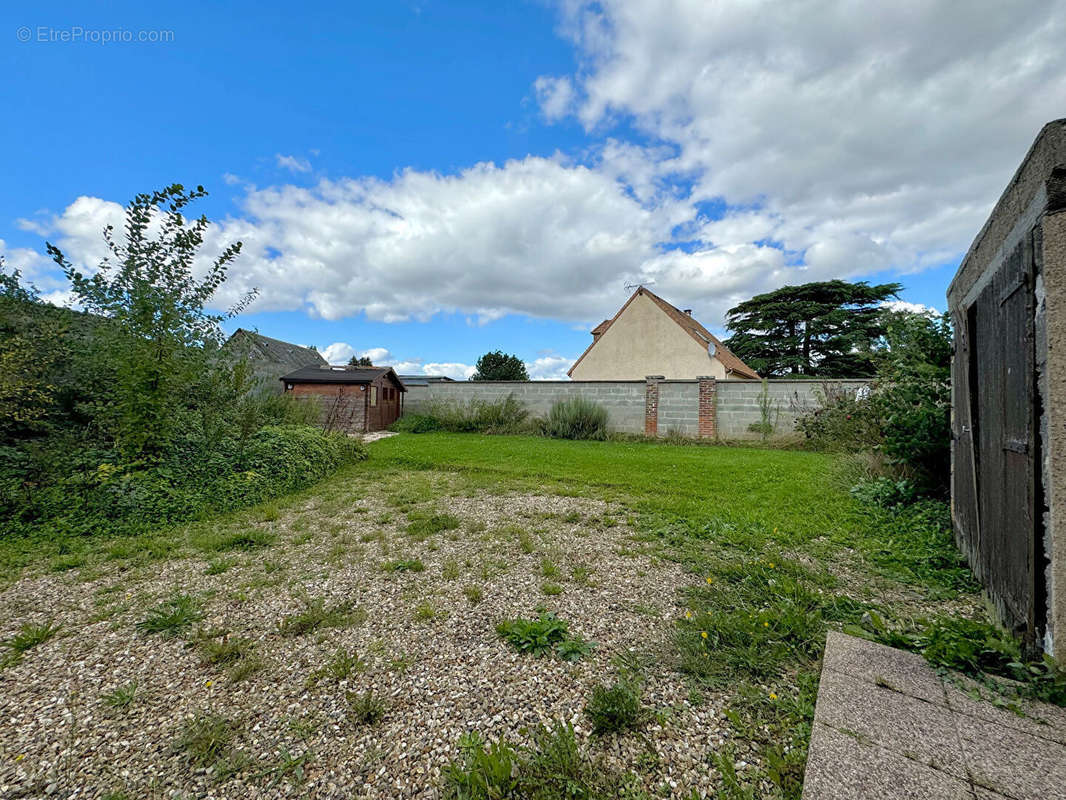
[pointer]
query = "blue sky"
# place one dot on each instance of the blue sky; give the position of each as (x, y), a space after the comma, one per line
(436, 180)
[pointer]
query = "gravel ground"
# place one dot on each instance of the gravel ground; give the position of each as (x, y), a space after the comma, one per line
(440, 676)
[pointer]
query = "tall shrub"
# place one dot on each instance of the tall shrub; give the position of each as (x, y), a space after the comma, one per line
(576, 418)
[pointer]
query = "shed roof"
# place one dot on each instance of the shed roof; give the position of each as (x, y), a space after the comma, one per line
(328, 374)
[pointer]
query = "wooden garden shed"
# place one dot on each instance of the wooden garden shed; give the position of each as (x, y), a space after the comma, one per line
(1008, 305)
(350, 399)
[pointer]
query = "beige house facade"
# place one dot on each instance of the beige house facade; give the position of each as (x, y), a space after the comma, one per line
(649, 336)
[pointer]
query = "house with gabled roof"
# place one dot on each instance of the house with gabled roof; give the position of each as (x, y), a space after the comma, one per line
(271, 358)
(649, 336)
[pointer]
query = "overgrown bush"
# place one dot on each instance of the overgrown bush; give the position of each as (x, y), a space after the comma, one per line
(575, 418)
(506, 415)
(133, 413)
(906, 415)
(95, 492)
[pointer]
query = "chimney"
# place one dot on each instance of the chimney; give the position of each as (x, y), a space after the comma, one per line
(688, 311)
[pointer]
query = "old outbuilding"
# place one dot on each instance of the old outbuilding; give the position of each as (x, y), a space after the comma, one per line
(350, 399)
(1008, 305)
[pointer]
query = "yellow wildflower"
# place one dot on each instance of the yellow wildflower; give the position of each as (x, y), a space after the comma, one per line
(208, 684)
(710, 579)
(766, 624)
(688, 615)
(773, 696)
(703, 634)
(771, 565)
(19, 757)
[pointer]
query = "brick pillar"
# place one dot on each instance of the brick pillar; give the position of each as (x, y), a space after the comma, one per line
(708, 413)
(651, 405)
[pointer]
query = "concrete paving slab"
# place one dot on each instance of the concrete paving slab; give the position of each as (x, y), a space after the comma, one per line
(876, 663)
(1036, 719)
(1013, 763)
(986, 794)
(924, 732)
(849, 769)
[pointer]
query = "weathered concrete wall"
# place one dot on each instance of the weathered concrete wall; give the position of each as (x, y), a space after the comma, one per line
(1030, 217)
(739, 404)
(736, 408)
(1054, 429)
(624, 400)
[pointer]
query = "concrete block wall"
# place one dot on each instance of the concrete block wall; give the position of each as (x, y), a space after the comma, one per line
(624, 400)
(653, 407)
(679, 408)
(739, 409)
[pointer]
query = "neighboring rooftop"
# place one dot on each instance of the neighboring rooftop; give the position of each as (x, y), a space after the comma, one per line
(424, 380)
(264, 348)
(733, 365)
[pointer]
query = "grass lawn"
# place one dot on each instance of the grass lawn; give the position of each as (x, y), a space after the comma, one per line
(463, 612)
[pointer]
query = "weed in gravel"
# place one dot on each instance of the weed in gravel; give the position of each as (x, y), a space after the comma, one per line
(172, 617)
(484, 772)
(474, 594)
(542, 636)
(288, 767)
(572, 518)
(218, 649)
(404, 565)
(450, 569)
(426, 611)
(316, 614)
(548, 569)
(223, 541)
(422, 525)
(526, 542)
(550, 588)
(365, 708)
(581, 575)
(122, 696)
(217, 566)
(340, 667)
(246, 668)
(614, 708)
(207, 739)
(28, 637)
(401, 663)
(551, 766)
(573, 648)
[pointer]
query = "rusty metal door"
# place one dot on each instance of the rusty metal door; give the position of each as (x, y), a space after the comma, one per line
(1002, 424)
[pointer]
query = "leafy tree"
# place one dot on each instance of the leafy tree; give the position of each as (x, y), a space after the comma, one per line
(360, 361)
(825, 329)
(27, 353)
(499, 366)
(160, 338)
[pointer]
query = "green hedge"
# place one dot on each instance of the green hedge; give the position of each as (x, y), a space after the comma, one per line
(97, 495)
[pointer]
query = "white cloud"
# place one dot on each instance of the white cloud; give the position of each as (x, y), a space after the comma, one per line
(338, 353)
(869, 134)
(555, 96)
(549, 368)
(293, 163)
(230, 179)
(342, 352)
(914, 308)
(459, 372)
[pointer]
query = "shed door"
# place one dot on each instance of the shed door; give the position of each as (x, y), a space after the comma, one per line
(1002, 384)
